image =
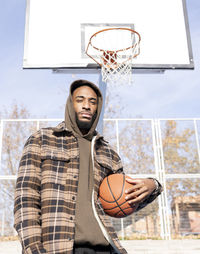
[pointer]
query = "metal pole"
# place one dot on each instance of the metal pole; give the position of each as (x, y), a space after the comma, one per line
(197, 138)
(38, 125)
(158, 176)
(3, 223)
(163, 177)
(160, 168)
(117, 136)
(102, 87)
(1, 141)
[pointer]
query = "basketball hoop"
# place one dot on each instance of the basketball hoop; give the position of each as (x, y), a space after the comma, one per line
(114, 49)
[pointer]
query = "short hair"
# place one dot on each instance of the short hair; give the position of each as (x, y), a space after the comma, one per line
(81, 82)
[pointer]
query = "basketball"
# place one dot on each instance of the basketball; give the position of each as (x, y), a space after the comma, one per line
(112, 196)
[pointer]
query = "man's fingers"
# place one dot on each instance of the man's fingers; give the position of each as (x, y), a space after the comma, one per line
(136, 193)
(133, 181)
(139, 190)
(135, 187)
(137, 200)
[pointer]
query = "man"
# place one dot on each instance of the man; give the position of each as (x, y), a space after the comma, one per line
(57, 210)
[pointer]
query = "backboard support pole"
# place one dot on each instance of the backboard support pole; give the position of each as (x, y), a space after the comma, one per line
(103, 88)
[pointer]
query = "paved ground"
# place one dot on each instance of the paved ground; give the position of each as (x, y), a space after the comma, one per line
(133, 247)
(162, 247)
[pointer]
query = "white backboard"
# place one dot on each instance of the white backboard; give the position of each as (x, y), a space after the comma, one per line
(57, 32)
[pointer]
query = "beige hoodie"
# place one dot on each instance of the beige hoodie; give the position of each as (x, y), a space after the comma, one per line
(87, 230)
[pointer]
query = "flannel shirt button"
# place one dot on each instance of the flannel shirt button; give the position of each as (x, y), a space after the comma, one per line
(75, 176)
(73, 197)
(71, 218)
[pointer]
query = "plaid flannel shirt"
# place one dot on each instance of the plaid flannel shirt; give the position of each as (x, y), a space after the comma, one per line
(46, 191)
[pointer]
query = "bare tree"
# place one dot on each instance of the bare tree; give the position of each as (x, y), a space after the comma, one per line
(14, 136)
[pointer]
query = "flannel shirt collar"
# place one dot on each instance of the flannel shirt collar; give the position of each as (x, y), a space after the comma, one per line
(61, 127)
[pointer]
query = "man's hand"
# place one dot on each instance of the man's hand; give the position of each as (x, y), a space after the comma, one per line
(141, 189)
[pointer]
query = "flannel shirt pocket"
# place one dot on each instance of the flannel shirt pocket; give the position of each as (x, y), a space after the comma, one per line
(105, 164)
(55, 165)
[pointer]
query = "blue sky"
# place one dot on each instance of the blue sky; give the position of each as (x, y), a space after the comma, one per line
(172, 94)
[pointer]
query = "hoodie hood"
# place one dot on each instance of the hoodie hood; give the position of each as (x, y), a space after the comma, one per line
(70, 115)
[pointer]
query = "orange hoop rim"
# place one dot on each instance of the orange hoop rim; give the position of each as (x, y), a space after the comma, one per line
(114, 28)
(119, 50)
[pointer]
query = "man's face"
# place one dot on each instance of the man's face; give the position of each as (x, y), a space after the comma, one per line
(85, 105)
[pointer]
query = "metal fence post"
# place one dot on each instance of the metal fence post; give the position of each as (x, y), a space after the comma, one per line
(197, 138)
(164, 211)
(117, 136)
(1, 141)
(3, 223)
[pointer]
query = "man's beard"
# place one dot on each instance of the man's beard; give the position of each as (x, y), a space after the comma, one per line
(85, 125)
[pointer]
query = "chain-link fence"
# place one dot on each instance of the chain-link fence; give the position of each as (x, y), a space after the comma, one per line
(167, 149)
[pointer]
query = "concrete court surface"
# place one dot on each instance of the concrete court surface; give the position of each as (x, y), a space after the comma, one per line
(132, 246)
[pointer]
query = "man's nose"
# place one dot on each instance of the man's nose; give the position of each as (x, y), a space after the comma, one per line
(86, 105)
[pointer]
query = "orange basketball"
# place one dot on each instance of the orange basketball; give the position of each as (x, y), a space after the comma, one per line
(112, 196)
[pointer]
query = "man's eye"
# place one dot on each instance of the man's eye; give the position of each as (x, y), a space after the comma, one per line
(79, 100)
(93, 102)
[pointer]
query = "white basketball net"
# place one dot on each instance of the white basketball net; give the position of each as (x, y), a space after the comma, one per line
(114, 49)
